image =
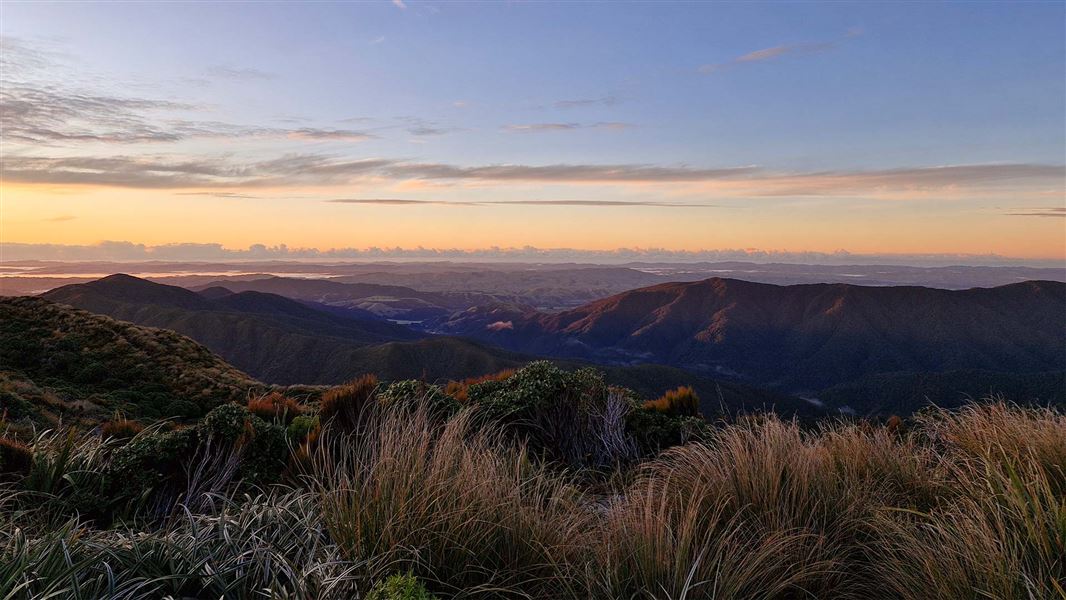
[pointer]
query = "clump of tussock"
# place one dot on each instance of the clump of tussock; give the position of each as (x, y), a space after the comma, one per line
(349, 406)
(998, 529)
(755, 511)
(458, 505)
(275, 407)
(120, 428)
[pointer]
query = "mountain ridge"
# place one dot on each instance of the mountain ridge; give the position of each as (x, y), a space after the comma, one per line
(810, 335)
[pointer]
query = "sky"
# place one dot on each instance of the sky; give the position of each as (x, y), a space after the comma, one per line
(888, 129)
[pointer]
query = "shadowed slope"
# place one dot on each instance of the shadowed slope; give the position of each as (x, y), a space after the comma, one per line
(805, 336)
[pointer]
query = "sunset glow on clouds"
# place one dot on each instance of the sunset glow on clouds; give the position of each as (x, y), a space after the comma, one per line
(477, 125)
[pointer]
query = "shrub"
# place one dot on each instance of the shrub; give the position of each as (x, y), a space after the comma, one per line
(525, 393)
(655, 431)
(460, 389)
(275, 407)
(349, 405)
(266, 452)
(153, 462)
(227, 421)
(13, 406)
(301, 427)
(569, 417)
(681, 402)
(415, 393)
(182, 409)
(400, 587)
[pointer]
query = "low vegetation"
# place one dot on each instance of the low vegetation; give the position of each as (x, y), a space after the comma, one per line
(59, 363)
(539, 483)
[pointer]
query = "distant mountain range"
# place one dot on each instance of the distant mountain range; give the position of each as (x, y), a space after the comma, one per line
(283, 341)
(280, 340)
(383, 301)
(800, 337)
(867, 349)
(545, 286)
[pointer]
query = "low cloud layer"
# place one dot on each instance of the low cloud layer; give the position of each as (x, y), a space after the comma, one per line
(128, 251)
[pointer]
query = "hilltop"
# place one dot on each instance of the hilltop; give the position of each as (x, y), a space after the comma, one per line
(61, 362)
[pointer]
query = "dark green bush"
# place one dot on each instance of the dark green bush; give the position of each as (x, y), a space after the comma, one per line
(414, 392)
(152, 460)
(227, 422)
(183, 409)
(655, 431)
(265, 454)
(300, 427)
(400, 587)
(14, 406)
(530, 390)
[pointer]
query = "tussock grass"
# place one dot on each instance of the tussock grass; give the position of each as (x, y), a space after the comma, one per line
(956, 505)
(458, 505)
(999, 528)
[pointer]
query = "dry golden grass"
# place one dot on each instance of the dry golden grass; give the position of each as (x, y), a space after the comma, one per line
(454, 503)
(275, 408)
(346, 406)
(460, 389)
(962, 505)
(682, 401)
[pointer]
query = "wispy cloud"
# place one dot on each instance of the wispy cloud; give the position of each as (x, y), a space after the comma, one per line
(46, 114)
(377, 40)
(602, 203)
(238, 73)
(399, 4)
(582, 102)
(1055, 211)
(422, 127)
(348, 135)
(61, 113)
(50, 115)
(592, 203)
(549, 127)
(400, 202)
(231, 195)
(775, 52)
(913, 179)
(61, 219)
(175, 172)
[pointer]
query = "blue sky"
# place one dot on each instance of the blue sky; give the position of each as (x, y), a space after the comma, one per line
(876, 95)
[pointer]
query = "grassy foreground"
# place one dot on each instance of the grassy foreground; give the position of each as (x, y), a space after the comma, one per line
(392, 495)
